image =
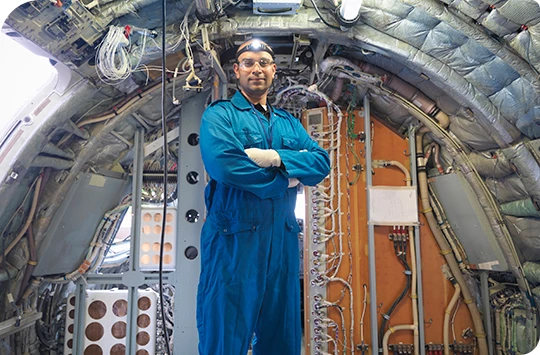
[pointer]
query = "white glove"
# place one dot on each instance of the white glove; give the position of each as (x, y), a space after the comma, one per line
(293, 182)
(264, 158)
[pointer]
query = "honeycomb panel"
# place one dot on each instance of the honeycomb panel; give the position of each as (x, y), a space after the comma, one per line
(105, 326)
(151, 224)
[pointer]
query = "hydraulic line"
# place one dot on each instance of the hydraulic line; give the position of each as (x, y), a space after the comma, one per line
(446, 251)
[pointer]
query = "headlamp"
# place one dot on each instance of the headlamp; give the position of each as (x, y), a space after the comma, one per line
(256, 46)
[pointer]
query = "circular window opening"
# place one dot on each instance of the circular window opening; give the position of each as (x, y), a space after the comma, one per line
(192, 177)
(191, 252)
(192, 216)
(193, 139)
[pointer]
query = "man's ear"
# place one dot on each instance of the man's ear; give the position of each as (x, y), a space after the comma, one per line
(236, 69)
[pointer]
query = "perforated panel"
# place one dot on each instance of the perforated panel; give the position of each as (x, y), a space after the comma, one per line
(105, 325)
(151, 223)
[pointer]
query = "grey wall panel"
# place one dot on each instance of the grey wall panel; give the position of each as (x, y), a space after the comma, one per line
(73, 226)
(190, 197)
(469, 221)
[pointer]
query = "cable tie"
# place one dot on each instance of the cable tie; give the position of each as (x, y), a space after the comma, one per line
(391, 329)
(413, 296)
(447, 311)
(445, 252)
(386, 316)
(407, 272)
(427, 210)
(31, 262)
(480, 335)
(469, 301)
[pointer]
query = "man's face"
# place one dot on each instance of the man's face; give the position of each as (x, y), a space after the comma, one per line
(255, 71)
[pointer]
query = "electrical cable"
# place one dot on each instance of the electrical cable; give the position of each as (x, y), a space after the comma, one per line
(165, 170)
(322, 18)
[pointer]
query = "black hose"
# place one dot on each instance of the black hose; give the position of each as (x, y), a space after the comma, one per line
(400, 248)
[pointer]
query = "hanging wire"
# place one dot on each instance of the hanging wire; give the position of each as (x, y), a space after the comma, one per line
(165, 170)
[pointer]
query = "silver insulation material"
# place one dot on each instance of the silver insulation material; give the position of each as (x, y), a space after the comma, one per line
(526, 235)
(493, 165)
(471, 133)
(520, 208)
(508, 189)
(532, 272)
(526, 167)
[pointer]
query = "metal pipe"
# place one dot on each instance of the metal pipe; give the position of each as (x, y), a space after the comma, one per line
(484, 289)
(371, 234)
(419, 288)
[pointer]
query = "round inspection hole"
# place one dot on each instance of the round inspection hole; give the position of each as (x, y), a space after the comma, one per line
(144, 303)
(118, 349)
(145, 259)
(72, 301)
(167, 247)
(70, 328)
(143, 321)
(93, 349)
(168, 229)
(157, 229)
(155, 259)
(192, 216)
(143, 338)
(191, 252)
(167, 259)
(146, 229)
(158, 217)
(192, 177)
(70, 343)
(94, 331)
(118, 330)
(147, 217)
(169, 217)
(119, 308)
(97, 309)
(72, 314)
(145, 247)
(142, 352)
(155, 247)
(193, 139)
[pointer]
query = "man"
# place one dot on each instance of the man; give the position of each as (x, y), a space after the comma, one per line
(255, 155)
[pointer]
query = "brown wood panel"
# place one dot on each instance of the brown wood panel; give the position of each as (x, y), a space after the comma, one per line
(390, 278)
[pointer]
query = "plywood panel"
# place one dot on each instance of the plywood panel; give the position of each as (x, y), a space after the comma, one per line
(390, 278)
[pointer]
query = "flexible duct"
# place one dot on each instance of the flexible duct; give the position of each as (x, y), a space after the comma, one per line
(447, 312)
(496, 166)
(446, 251)
(409, 92)
(32, 262)
(50, 162)
(29, 219)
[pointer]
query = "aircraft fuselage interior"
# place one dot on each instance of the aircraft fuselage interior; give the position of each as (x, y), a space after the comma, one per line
(423, 239)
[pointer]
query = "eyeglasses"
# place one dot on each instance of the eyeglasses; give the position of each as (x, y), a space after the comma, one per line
(250, 63)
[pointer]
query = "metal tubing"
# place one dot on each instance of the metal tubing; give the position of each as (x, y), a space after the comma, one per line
(131, 343)
(371, 234)
(487, 314)
(419, 289)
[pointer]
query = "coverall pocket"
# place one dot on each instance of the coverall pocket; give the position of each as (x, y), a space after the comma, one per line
(292, 225)
(289, 142)
(250, 139)
(239, 250)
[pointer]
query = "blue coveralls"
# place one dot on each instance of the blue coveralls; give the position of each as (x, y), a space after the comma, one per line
(249, 280)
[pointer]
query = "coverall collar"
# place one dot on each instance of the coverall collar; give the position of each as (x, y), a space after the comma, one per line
(240, 102)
